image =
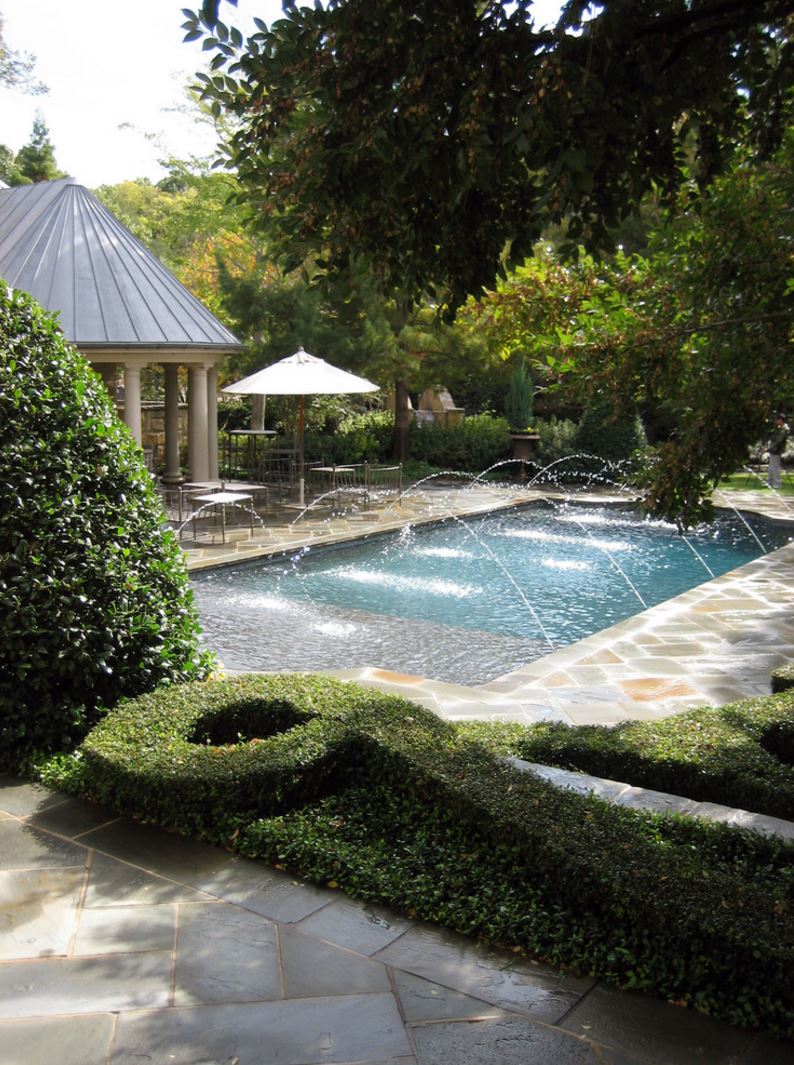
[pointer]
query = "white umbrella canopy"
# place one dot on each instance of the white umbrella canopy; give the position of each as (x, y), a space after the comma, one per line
(301, 375)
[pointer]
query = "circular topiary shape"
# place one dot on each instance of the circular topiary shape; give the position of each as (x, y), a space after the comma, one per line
(96, 599)
(192, 756)
(778, 740)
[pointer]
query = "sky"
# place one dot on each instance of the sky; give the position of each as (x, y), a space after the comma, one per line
(117, 73)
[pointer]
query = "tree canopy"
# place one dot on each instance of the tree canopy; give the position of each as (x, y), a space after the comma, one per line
(17, 68)
(187, 222)
(429, 137)
(35, 161)
(698, 332)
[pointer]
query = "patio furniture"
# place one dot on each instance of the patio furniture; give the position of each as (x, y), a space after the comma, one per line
(243, 451)
(278, 468)
(178, 500)
(218, 502)
(384, 482)
(358, 483)
(301, 375)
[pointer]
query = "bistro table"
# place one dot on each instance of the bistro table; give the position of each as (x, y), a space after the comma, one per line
(219, 502)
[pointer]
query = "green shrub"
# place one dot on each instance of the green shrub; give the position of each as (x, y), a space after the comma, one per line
(192, 756)
(739, 755)
(783, 678)
(363, 437)
(470, 445)
(378, 795)
(519, 402)
(556, 442)
(234, 414)
(96, 602)
(612, 441)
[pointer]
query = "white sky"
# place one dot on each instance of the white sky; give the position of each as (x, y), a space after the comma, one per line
(116, 71)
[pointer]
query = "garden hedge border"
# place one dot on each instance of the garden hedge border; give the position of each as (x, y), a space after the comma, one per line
(697, 913)
(738, 755)
(783, 678)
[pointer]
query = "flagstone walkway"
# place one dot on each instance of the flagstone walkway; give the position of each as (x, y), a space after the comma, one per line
(122, 944)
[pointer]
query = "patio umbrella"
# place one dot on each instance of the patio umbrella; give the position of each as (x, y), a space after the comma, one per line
(301, 375)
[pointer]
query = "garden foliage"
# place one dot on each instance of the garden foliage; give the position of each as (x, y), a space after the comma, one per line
(783, 678)
(519, 402)
(612, 438)
(470, 445)
(96, 601)
(387, 801)
(740, 755)
(362, 437)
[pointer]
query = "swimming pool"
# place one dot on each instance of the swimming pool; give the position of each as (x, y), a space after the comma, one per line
(465, 601)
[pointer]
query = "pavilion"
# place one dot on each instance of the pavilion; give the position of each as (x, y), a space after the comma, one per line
(119, 306)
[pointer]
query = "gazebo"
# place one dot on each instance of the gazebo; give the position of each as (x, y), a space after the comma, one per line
(119, 306)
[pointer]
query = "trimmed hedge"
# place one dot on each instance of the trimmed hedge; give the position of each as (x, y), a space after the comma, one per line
(740, 755)
(783, 678)
(471, 445)
(382, 798)
(96, 600)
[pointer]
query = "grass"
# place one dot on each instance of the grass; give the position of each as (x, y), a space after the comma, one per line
(744, 481)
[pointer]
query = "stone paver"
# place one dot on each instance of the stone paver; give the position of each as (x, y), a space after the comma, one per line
(136, 964)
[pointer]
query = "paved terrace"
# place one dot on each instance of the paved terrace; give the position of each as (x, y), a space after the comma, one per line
(121, 944)
(714, 644)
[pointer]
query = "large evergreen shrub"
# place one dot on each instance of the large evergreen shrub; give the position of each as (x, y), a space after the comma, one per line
(612, 440)
(519, 402)
(611, 437)
(359, 437)
(95, 599)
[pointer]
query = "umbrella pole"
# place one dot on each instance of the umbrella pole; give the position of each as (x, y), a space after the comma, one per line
(301, 430)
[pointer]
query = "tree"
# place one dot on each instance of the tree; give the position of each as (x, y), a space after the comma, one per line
(17, 68)
(349, 323)
(35, 161)
(9, 172)
(437, 139)
(698, 333)
(187, 221)
(701, 331)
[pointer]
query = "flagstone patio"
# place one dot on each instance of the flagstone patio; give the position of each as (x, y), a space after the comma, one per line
(121, 944)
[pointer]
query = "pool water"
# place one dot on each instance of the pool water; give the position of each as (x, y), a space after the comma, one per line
(465, 601)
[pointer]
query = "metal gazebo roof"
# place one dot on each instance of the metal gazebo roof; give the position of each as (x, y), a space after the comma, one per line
(62, 246)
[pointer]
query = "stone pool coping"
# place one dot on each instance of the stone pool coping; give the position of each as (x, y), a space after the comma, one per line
(657, 802)
(714, 644)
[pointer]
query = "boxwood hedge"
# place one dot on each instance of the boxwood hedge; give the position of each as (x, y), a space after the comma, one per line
(741, 755)
(96, 602)
(783, 678)
(378, 796)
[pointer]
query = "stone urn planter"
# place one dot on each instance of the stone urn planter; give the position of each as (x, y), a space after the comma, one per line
(524, 445)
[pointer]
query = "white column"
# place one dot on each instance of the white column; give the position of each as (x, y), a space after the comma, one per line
(197, 443)
(132, 401)
(173, 473)
(212, 421)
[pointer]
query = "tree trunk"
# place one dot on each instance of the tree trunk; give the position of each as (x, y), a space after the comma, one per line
(402, 419)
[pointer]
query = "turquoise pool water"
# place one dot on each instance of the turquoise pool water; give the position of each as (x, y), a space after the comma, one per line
(465, 601)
